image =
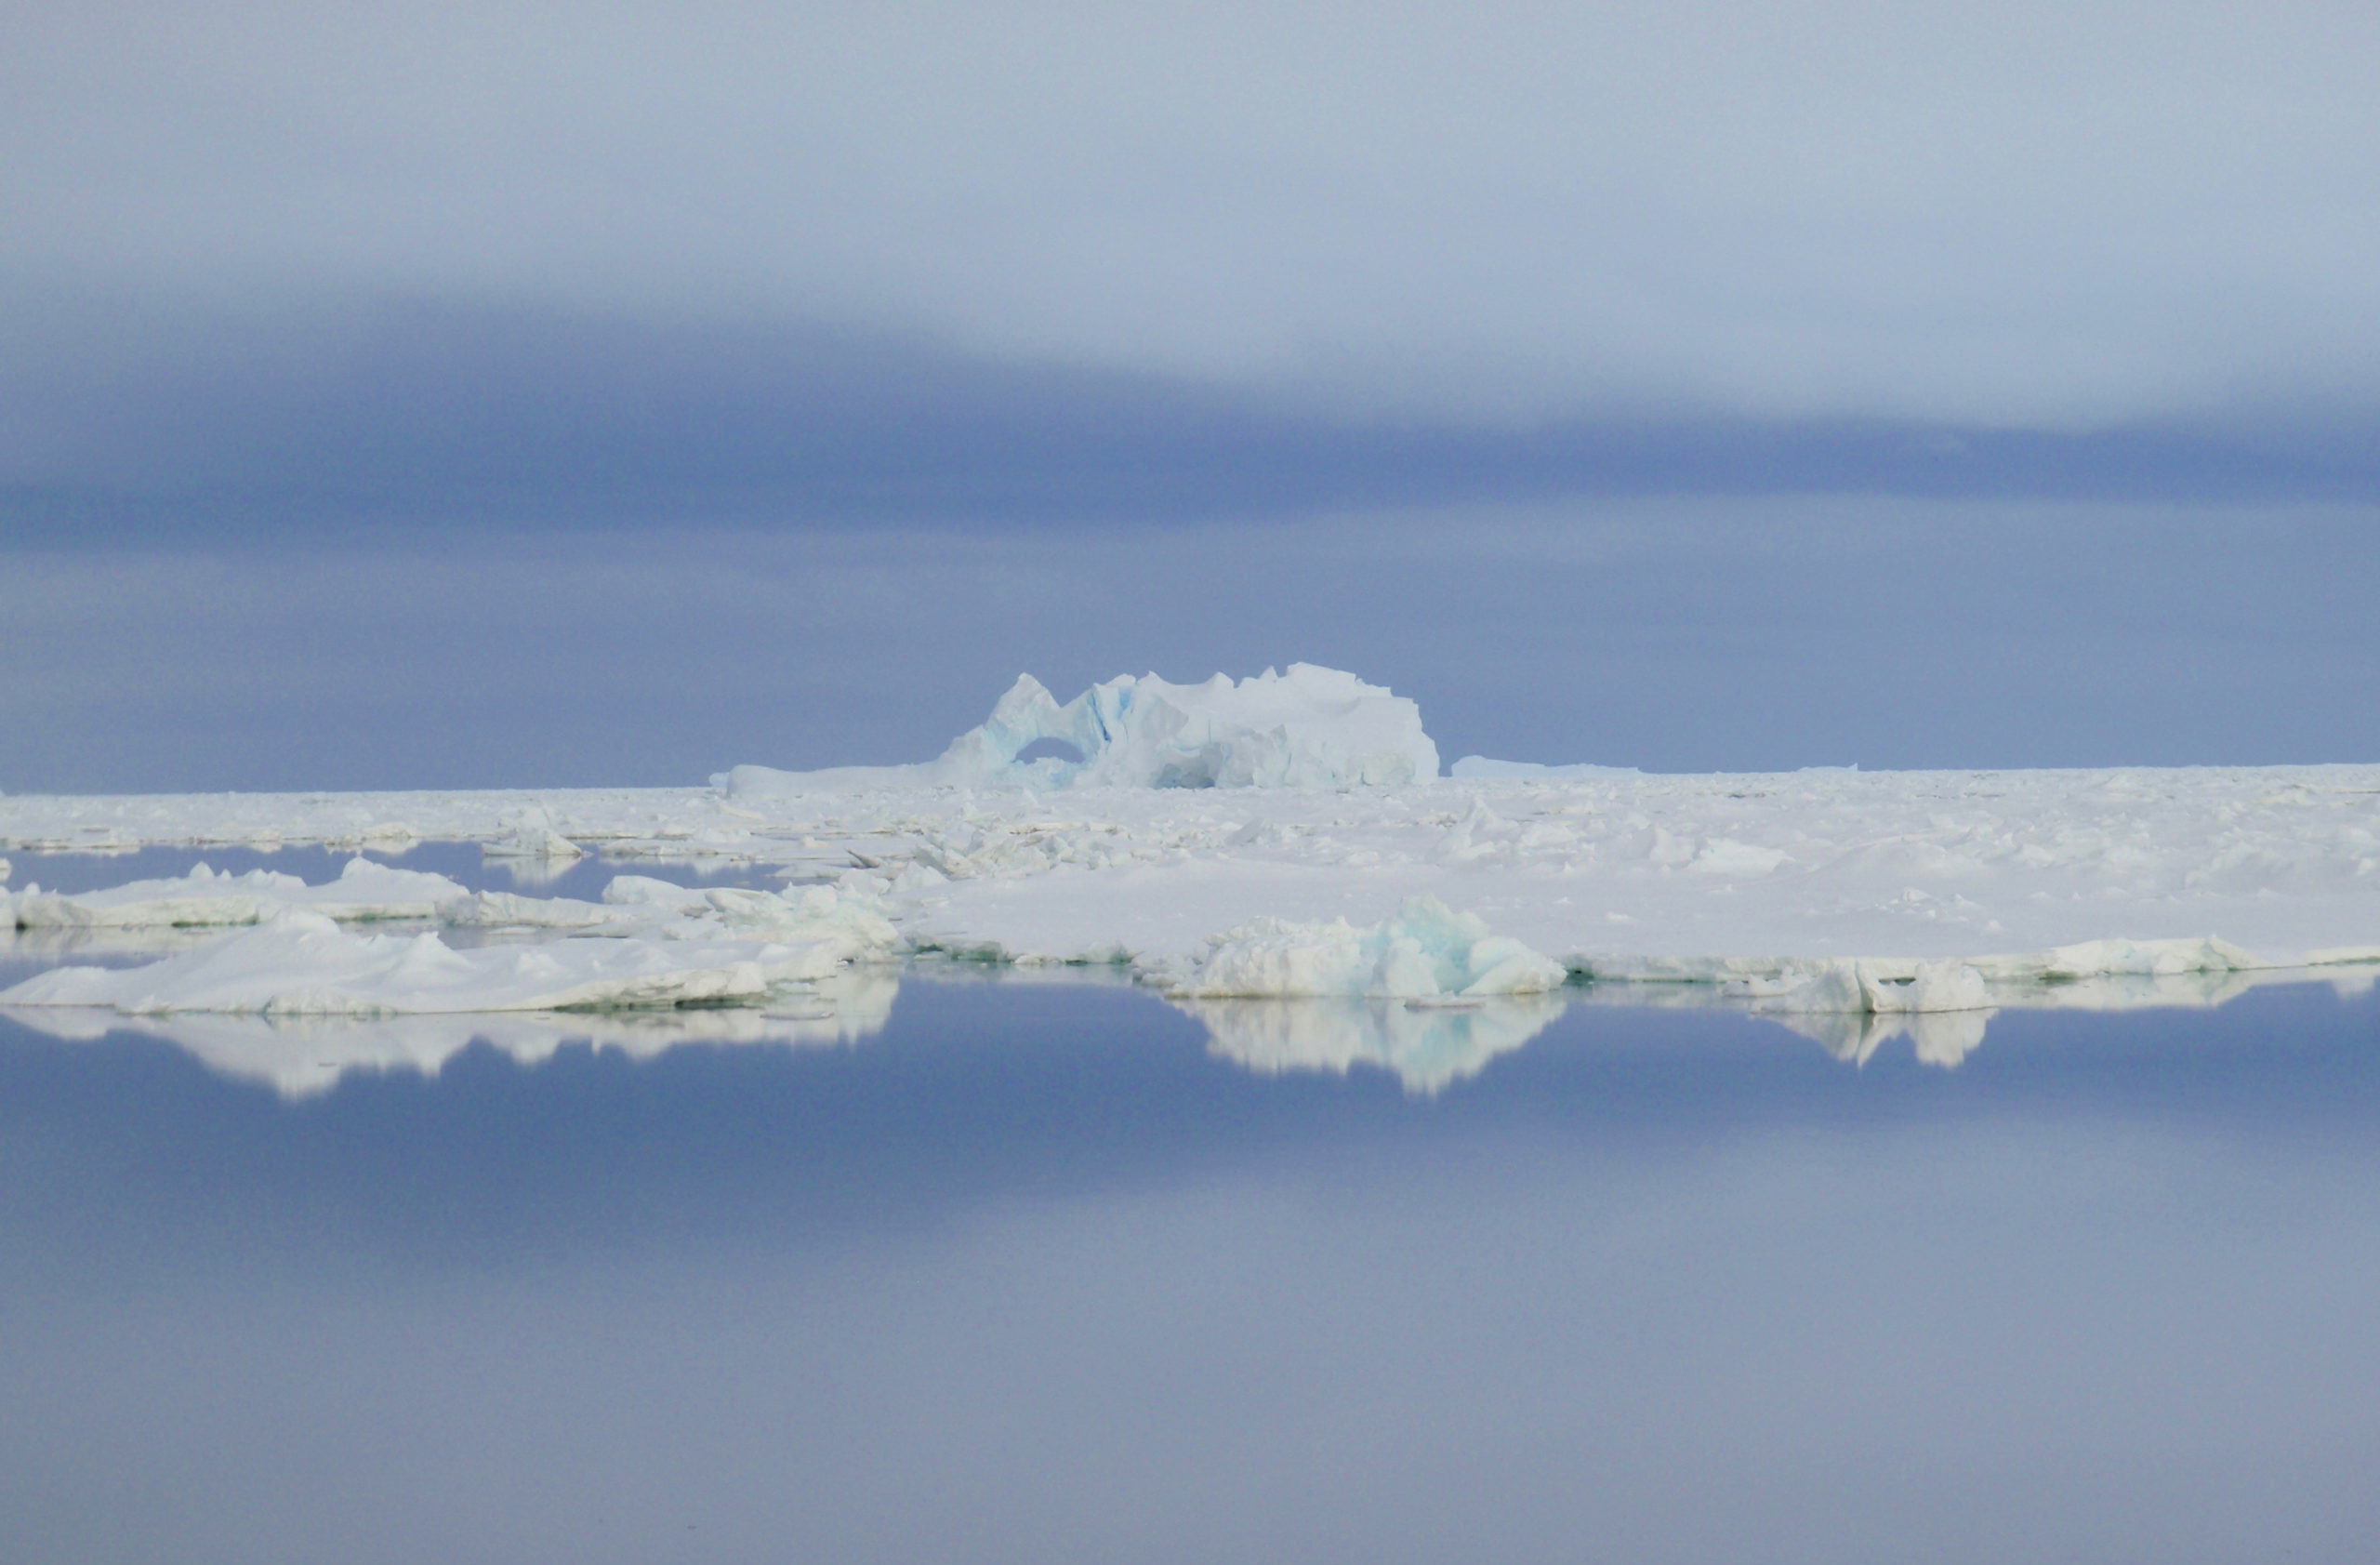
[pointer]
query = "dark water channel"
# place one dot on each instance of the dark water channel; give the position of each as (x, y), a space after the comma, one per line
(1036, 1274)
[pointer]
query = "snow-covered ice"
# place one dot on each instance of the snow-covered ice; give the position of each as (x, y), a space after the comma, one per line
(1322, 826)
(716, 948)
(1427, 952)
(301, 963)
(364, 891)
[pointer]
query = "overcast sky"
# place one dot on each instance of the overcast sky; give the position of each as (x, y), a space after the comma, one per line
(1708, 384)
(737, 250)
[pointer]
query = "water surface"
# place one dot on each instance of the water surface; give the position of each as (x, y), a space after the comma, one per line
(1045, 1271)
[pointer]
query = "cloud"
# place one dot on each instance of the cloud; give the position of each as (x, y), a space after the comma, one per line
(2034, 216)
(422, 408)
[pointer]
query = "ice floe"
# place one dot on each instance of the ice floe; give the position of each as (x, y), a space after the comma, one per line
(301, 963)
(531, 835)
(716, 948)
(1868, 988)
(364, 891)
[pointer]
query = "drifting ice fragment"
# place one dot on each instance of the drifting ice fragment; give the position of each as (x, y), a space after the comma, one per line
(1868, 987)
(301, 963)
(531, 835)
(1311, 727)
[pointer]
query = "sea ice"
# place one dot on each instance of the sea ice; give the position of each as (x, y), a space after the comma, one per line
(1867, 986)
(730, 947)
(531, 835)
(1426, 952)
(2020, 878)
(364, 891)
(301, 963)
(1479, 768)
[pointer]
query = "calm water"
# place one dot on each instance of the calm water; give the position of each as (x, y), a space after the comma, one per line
(1041, 1273)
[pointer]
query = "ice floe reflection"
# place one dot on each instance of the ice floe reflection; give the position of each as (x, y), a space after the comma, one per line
(302, 1056)
(1428, 1047)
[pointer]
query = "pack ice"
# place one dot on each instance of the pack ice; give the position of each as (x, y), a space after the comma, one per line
(1290, 835)
(652, 946)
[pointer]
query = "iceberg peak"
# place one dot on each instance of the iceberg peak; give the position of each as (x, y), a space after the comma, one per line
(1310, 727)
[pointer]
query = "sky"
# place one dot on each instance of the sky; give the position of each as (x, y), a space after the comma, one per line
(513, 331)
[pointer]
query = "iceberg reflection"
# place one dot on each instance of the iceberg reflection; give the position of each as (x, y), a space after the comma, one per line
(1425, 1046)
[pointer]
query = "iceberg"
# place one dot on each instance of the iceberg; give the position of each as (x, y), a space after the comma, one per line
(1311, 727)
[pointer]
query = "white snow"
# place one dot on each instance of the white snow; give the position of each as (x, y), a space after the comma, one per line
(1311, 727)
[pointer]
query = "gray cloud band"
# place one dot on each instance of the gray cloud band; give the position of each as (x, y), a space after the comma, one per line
(2039, 217)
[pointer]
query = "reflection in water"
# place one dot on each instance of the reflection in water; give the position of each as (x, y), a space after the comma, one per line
(59, 944)
(299, 1056)
(1937, 1038)
(534, 872)
(1036, 1275)
(1425, 1046)
(1946, 1038)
